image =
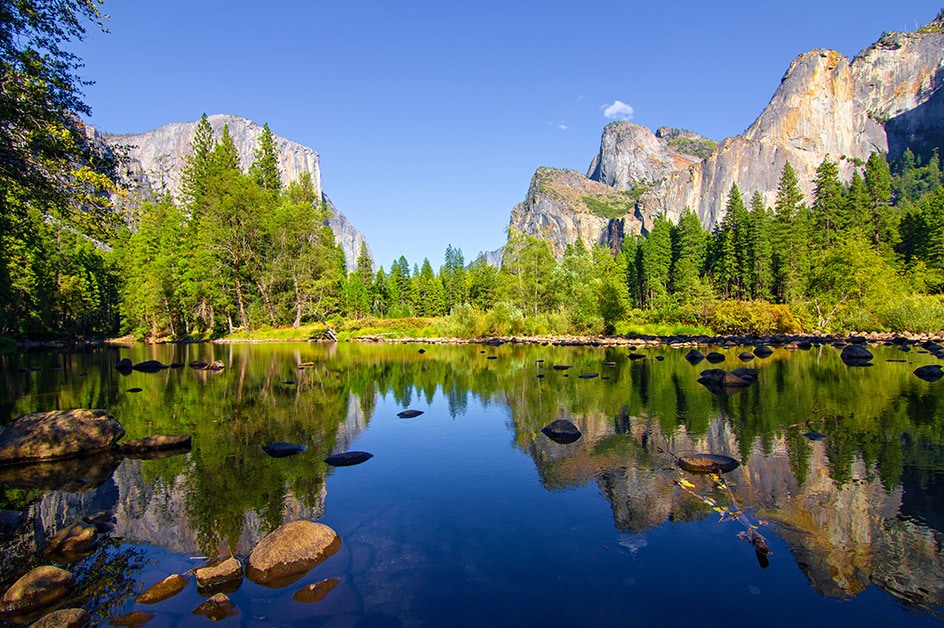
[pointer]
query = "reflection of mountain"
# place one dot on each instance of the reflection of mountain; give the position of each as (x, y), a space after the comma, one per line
(842, 537)
(157, 511)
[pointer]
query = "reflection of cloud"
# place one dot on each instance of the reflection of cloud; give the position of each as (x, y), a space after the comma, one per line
(617, 111)
(633, 542)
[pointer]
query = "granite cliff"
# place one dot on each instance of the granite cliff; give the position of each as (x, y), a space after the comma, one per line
(887, 98)
(155, 161)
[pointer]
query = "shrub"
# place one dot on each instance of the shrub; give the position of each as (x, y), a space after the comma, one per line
(753, 317)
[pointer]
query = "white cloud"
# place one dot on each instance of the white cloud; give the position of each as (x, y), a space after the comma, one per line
(617, 111)
(558, 125)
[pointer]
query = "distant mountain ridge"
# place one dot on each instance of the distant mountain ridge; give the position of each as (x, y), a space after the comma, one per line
(888, 98)
(156, 160)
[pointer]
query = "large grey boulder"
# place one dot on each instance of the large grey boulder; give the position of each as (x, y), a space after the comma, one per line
(58, 434)
(290, 551)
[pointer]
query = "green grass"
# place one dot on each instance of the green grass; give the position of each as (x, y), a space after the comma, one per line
(661, 329)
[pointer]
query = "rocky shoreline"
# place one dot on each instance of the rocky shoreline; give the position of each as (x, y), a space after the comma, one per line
(793, 341)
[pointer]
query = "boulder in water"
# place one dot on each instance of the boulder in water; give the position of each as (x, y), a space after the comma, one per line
(58, 434)
(315, 592)
(166, 588)
(282, 449)
(348, 458)
(40, 587)
(217, 607)
(291, 551)
(929, 372)
(409, 414)
(707, 463)
(561, 431)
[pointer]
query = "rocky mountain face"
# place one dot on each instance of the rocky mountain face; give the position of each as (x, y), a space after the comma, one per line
(563, 206)
(888, 98)
(156, 161)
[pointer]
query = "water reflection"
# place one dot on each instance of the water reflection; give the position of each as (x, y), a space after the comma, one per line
(857, 508)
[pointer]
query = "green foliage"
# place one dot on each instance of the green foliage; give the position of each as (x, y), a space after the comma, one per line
(608, 207)
(700, 148)
(752, 317)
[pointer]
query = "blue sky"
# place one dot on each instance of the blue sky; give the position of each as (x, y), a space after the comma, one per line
(431, 117)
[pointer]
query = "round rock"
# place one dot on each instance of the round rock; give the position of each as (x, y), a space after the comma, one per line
(65, 618)
(40, 587)
(930, 372)
(561, 431)
(282, 449)
(219, 573)
(217, 607)
(291, 551)
(166, 588)
(348, 458)
(707, 463)
(58, 434)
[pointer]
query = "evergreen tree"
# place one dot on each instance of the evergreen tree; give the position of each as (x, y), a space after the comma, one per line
(883, 218)
(656, 263)
(689, 249)
(790, 241)
(455, 278)
(759, 249)
(265, 167)
(196, 170)
(828, 214)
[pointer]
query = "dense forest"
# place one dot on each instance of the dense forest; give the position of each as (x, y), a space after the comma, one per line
(241, 250)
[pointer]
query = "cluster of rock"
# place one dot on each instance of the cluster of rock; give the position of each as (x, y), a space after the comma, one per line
(279, 559)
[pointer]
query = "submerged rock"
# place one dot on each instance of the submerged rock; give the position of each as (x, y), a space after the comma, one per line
(132, 619)
(561, 431)
(745, 356)
(149, 366)
(348, 458)
(124, 364)
(165, 589)
(38, 588)
(315, 592)
(217, 607)
(588, 375)
(58, 434)
(158, 442)
(930, 372)
(409, 414)
(707, 463)
(291, 551)
(560, 367)
(714, 357)
(282, 449)
(64, 618)
(75, 538)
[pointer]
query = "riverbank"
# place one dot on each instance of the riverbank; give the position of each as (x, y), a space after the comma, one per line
(676, 341)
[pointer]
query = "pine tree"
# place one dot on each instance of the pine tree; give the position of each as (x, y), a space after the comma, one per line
(656, 263)
(689, 250)
(265, 167)
(828, 212)
(790, 242)
(759, 249)
(197, 168)
(883, 217)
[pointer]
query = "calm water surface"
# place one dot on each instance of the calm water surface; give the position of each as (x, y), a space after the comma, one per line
(469, 515)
